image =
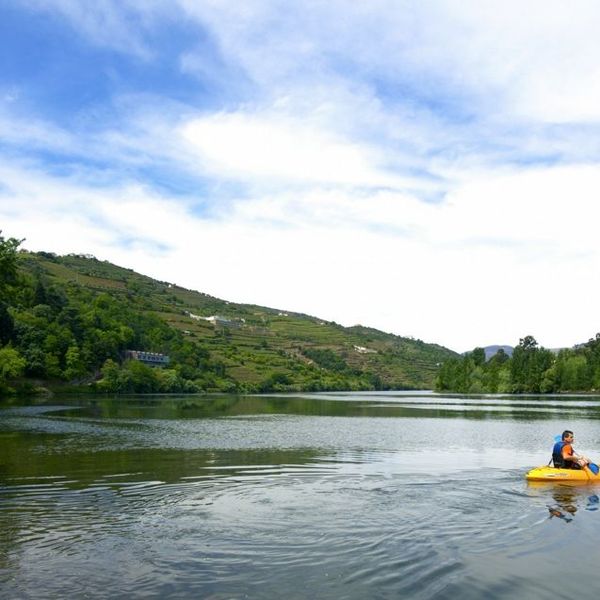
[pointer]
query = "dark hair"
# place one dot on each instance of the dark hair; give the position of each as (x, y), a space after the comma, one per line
(566, 432)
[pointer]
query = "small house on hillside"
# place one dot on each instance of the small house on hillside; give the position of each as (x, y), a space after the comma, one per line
(154, 359)
(218, 321)
(363, 350)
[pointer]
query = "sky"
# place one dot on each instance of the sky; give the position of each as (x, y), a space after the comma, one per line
(427, 168)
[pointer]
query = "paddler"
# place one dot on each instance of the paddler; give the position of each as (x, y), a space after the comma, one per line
(563, 455)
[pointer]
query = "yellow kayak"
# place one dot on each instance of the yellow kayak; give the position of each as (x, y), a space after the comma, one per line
(553, 474)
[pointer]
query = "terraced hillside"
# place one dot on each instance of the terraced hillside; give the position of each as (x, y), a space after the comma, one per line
(248, 347)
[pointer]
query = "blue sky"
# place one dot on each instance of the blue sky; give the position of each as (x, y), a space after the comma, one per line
(427, 168)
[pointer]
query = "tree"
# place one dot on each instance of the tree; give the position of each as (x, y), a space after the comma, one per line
(455, 375)
(497, 372)
(478, 356)
(74, 366)
(12, 364)
(276, 382)
(110, 375)
(7, 327)
(528, 365)
(143, 378)
(8, 264)
(573, 371)
(500, 357)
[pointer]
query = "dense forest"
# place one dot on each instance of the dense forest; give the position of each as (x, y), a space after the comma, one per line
(67, 322)
(530, 369)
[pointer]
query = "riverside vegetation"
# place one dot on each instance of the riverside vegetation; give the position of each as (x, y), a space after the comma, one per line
(67, 321)
(530, 369)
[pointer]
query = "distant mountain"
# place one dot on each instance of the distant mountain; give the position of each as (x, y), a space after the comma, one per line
(491, 350)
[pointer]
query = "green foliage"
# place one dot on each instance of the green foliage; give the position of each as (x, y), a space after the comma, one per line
(454, 375)
(74, 364)
(531, 369)
(8, 265)
(326, 359)
(136, 377)
(478, 356)
(6, 324)
(12, 364)
(71, 318)
(277, 382)
(528, 365)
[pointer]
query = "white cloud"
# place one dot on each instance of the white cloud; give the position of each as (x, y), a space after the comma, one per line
(33, 133)
(538, 60)
(553, 204)
(253, 147)
(542, 57)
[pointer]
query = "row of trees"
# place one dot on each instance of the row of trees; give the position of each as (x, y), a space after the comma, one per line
(531, 369)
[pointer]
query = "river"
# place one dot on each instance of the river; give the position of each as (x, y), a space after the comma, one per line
(330, 496)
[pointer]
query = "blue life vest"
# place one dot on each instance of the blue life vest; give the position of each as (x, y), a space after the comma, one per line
(557, 457)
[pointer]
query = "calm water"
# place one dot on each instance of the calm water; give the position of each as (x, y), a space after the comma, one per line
(391, 495)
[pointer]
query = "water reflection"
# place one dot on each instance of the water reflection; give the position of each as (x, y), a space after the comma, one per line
(391, 404)
(567, 498)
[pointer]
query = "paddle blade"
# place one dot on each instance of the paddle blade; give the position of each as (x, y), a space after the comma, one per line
(594, 468)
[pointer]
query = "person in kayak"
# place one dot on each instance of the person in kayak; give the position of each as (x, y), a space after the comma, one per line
(563, 455)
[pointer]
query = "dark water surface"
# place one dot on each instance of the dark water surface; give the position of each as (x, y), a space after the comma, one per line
(358, 496)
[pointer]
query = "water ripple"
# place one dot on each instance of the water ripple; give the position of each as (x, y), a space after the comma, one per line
(290, 506)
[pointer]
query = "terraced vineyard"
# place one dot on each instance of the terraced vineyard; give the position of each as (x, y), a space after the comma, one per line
(254, 345)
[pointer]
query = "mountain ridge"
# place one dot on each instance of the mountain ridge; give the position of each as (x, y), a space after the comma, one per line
(245, 347)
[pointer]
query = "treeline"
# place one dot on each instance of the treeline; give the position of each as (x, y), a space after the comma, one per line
(531, 369)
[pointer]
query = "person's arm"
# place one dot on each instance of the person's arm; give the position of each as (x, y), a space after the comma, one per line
(570, 455)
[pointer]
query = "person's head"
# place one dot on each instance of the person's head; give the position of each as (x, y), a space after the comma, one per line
(567, 435)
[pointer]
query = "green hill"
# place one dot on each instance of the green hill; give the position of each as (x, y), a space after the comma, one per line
(71, 318)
